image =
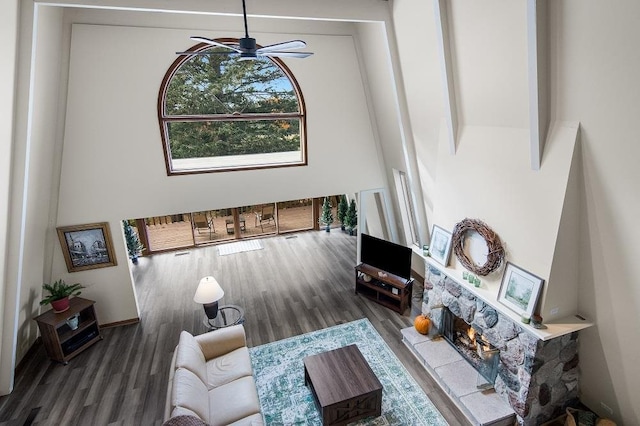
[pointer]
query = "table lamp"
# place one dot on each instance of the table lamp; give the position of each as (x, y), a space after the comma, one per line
(208, 294)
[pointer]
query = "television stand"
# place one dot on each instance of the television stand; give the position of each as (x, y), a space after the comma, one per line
(389, 290)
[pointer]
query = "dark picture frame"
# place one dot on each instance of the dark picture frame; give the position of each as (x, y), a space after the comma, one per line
(87, 246)
(440, 245)
(520, 290)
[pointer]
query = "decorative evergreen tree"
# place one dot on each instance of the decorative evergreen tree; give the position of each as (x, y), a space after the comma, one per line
(134, 246)
(351, 219)
(343, 206)
(326, 218)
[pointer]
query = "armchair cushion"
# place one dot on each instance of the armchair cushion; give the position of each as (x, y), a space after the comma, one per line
(233, 401)
(229, 367)
(222, 341)
(253, 420)
(189, 356)
(191, 393)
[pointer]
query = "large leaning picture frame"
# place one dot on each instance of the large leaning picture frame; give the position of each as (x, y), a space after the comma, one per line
(440, 245)
(519, 290)
(87, 246)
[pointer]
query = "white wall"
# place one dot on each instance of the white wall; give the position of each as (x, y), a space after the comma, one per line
(113, 165)
(593, 72)
(489, 179)
(596, 81)
(8, 50)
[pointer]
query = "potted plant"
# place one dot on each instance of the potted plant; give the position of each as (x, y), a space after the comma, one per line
(134, 246)
(326, 218)
(59, 293)
(343, 206)
(351, 219)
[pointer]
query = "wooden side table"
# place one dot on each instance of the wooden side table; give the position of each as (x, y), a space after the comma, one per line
(60, 341)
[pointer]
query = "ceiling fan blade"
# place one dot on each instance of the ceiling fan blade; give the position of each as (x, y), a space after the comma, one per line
(286, 54)
(206, 52)
(287, 45)
(214, 43)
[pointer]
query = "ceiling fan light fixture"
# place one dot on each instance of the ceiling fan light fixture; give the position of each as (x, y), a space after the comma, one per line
(248, 48)
(248, 44)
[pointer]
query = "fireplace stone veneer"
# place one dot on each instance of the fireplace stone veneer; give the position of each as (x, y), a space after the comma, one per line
(538, 378)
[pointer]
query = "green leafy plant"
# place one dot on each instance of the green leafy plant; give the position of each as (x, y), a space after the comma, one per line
(59, 290)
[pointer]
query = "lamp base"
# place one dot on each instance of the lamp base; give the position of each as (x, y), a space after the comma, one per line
(211, 310)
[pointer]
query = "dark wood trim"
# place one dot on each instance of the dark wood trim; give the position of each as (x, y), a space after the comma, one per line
(120, 323)
(317, 202)
(144, 237)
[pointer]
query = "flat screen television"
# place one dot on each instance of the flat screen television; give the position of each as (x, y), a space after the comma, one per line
(385, 255)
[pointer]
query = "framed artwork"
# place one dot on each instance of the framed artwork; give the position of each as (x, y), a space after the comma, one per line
(519, 290)
(440, 245)
(87, 246)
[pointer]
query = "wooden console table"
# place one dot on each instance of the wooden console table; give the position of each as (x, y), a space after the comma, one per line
(386, 289)
(60, 341)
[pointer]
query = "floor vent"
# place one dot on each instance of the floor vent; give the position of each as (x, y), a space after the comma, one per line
(182, 253)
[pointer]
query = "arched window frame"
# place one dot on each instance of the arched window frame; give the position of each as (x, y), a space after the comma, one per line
(164, 119)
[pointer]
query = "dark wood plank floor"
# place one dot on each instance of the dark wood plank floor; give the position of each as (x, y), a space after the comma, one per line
(296, 284)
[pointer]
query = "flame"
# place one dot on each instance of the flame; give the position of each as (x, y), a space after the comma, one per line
(472, 334)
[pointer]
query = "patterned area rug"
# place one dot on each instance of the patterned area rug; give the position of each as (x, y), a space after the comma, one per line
(239, 247)
(285, 399)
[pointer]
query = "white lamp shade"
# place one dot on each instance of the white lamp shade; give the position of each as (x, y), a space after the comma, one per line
(208, 291)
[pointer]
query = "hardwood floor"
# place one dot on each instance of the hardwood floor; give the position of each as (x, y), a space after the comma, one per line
(296, 284)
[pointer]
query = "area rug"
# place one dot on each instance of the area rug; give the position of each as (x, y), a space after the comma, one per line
(239, 247)
(285, 399)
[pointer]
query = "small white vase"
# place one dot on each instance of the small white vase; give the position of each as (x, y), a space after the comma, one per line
(72, 322)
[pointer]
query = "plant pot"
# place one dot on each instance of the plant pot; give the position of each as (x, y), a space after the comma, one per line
(60, 305)
(134, 260)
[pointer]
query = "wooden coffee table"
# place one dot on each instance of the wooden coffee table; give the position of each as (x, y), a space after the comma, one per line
(343, 385)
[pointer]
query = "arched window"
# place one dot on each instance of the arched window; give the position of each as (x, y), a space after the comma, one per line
(220, 113)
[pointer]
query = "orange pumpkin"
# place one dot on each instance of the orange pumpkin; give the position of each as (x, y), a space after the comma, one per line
(422, 323)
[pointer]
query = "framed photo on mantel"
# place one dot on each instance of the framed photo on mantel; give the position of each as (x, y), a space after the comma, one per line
(519, 290)
(440, 245)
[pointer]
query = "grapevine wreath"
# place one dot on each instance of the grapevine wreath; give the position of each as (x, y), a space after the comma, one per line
(495, 253)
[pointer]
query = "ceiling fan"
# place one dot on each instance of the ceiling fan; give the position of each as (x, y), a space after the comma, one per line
(247, 47)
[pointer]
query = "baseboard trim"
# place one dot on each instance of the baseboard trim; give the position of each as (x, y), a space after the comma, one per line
(417, 276)
(120, 323)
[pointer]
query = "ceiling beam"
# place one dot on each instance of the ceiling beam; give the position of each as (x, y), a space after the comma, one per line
(537, 48)
(446, 70)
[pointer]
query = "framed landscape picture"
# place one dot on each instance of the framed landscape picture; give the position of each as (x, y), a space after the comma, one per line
(519, 290)
(87, 246)
(440, 245)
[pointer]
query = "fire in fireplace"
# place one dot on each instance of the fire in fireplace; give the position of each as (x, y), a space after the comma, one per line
(483, 356)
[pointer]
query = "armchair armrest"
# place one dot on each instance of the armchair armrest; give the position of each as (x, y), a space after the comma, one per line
(222, 341)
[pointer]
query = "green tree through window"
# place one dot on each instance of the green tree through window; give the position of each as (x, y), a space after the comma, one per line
(218, 112)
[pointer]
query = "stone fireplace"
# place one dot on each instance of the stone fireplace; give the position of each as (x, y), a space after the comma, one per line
(538, 378)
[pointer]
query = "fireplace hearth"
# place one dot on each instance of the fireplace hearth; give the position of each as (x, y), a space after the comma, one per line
(474, 348)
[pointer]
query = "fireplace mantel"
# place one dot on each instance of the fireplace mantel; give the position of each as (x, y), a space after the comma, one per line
(489, 294)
